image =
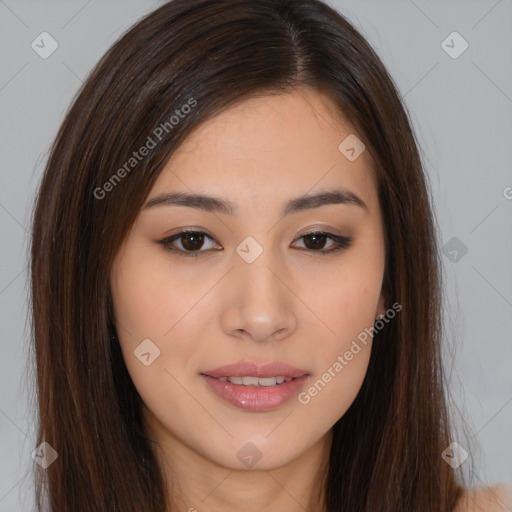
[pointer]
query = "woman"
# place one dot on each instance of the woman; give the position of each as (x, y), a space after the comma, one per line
(235, 276)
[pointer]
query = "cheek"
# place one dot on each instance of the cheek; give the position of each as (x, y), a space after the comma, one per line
(347, 305)
(149, 299)
(332, 392)
(342, 363)
(148, 305)
(347, 312)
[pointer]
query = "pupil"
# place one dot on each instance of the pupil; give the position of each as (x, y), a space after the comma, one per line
(318, 244)
(192, 236)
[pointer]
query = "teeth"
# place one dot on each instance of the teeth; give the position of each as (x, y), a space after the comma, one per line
(250, 381)
(255, 381)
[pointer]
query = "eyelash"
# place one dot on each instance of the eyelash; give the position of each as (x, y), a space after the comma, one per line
(342, 242)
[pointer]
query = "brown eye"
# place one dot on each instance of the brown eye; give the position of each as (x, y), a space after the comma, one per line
(315, 242)
(191, 243)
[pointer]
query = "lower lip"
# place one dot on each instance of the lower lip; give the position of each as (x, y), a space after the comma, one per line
(255, 398)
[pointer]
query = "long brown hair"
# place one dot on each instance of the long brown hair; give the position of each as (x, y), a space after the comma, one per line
(209, 55)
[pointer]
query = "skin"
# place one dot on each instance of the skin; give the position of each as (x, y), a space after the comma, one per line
(291, 304)
(497, 498)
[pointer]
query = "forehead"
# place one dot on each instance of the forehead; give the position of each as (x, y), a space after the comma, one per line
(267, 148)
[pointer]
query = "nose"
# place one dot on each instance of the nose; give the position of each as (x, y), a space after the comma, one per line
(258, 303)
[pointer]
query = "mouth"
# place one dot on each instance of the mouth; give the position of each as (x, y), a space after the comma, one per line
(255, 388)
(249, 380)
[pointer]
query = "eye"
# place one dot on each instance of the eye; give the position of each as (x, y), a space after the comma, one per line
(192, 241)
(318, 238)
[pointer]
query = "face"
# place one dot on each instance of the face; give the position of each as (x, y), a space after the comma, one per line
(250, 286)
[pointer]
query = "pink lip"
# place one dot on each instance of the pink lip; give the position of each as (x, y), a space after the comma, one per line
(248, 369)
(256, 398)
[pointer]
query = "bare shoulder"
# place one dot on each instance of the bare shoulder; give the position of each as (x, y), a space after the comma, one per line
(497, 498)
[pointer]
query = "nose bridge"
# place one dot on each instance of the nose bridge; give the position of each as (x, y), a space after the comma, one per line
(260, 304)
(257, 284)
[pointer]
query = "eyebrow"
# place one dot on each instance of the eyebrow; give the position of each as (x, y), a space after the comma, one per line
(215, 204)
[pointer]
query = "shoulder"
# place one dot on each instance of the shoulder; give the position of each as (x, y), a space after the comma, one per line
(497, 498)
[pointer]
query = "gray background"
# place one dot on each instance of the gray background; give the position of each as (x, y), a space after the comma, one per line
(461, 111)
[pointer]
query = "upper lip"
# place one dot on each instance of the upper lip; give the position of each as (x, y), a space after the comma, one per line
(250, 369)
